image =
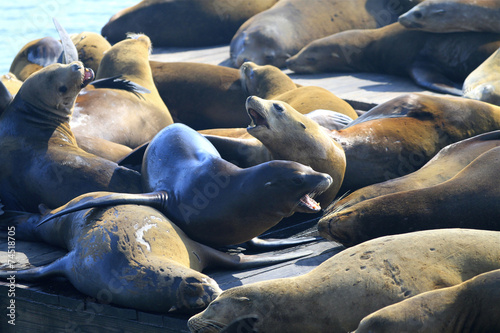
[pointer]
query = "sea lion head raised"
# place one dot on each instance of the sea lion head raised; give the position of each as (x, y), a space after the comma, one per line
(264, 81)
(261, 45)
(54, 88)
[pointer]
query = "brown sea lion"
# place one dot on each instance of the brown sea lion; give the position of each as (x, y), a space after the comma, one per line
(469, 199)
(211, 200)
(184, 23)
(439, 62)
(136, 117)
(447, 163)
(336, 295)
(471, 306)
(453, 15)
(276, 34)
(483, 83)
(132, 256)
(269, 82)
(399, 136)
(11, 82)
(91, 47)
(35, 55)
(289, 135)
(219, 102)
(39, 157)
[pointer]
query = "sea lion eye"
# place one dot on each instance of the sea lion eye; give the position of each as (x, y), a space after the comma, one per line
(297, 180)
(63, 89)
(278, 107)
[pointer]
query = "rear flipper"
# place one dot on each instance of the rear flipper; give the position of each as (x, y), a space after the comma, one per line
(56, 268)
(428, 76)
(270, 244)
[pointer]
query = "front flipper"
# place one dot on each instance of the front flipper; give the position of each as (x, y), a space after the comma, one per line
(242, 152)
(116, 82)
(428, 76)
(70, 53)
(269, 244)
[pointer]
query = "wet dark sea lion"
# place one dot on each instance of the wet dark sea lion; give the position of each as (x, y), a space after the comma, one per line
(439, 62)
(339, 293)
(212, 200)
(278, 33)
(471, 306)
(468, 199)
(131, 256)
(39, 157)
(184, 23)
(136, 117)
(399, 136)
(453, 15)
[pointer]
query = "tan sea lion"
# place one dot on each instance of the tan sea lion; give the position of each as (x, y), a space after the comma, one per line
(184, 23)
(136, 117)
(430, 59)
(11, 82)
(399, 136)
(132, 256)
(39, 157)
(469, 199)
(219, 102)
(91, 47)
(483, 83)
(269, 82)
(35, 55)
(471, 306)
(453, 15)
(336, 295)
(447, 163)
(278, 33)
(212, 200)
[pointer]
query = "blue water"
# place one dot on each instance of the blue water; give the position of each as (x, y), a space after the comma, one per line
(22, 21)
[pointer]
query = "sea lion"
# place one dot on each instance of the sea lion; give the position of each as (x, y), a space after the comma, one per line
(269, 82)
(39, 157)
(132, 256)
(447, 163)
(211, 200)
(469, 199)
(289, 135)
(35, 55)
(399, 136)
(219, 102)
(278, 33)
(183, 23)
(11, 82)
(471, 306)
(483, 83)
(91, 47)
(453, 15)
(5, 97)
(439, 62)
(136, 117)
(336, 295)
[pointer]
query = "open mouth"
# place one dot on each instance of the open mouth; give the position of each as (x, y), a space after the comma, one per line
(88, 76)
(308, 204)
(257, 119)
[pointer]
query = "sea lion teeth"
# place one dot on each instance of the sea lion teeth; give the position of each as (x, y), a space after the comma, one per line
(309, 202)
(88, 76)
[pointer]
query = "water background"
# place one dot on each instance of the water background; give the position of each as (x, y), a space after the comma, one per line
(22, 21)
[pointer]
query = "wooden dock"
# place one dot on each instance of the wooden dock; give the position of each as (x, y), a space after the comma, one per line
(56, 306)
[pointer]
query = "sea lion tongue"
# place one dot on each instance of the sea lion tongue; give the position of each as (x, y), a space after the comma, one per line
(88, 76)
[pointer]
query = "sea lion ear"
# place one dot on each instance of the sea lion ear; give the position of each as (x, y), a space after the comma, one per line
(335, 55)
(439, 11)
(268, 184)
(302, 124)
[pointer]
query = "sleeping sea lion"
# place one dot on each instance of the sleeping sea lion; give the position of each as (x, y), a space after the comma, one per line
(184, 23)
(471, 306)
(469, 199)
(35, 55)
(211, 200)
(399, 136)
(439, 62)
(442, 16)
(483, 83)
(278, 33)
(136, 117)
(39, 157)
(132, 256)
(91, 47)
(269, 82)
(336, 295)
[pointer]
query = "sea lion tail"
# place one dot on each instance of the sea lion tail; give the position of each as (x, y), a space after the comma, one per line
(56, 268)
(104, 199)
